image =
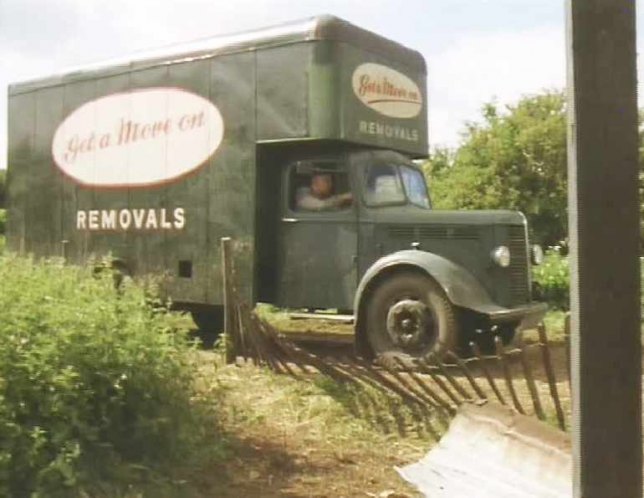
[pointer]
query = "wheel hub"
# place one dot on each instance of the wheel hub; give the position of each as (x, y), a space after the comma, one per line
(409, 324)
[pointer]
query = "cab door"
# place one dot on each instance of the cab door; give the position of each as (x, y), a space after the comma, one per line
(318, 249)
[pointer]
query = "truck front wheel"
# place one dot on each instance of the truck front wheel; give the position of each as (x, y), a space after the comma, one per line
(409, 313)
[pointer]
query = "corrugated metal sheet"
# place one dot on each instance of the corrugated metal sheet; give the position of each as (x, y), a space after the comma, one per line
(492, 452)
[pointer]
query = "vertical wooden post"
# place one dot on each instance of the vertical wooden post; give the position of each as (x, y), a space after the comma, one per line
(604, 235)
(229, 304)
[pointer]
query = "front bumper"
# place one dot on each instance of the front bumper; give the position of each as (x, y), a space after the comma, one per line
(528, 316)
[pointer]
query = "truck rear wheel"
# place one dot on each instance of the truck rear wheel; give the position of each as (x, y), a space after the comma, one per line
(210, 322)
(409, 313)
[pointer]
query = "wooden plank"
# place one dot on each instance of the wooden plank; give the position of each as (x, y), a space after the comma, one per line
(604, 214)
(348, 319)
(318, 337)
(229, 305)
(568, 353)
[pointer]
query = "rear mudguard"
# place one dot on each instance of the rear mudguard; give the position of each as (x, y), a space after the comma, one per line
(459, 285)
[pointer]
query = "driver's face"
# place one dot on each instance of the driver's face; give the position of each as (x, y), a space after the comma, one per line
(321, 186)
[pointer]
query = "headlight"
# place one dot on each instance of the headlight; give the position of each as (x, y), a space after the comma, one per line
(501, 256)
(537, 255)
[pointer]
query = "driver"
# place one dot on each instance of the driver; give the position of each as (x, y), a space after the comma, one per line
(319, 195)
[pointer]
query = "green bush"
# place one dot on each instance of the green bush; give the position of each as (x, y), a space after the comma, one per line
(552, 280)
(3, 221)
(97, 394)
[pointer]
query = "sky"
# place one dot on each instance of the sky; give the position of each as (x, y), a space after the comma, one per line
(477, 51)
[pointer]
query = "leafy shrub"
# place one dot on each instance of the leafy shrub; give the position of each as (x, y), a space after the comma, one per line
(97, 391)
(552, 280)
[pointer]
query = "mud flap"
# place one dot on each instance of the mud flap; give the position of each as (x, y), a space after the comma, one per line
(490, 451)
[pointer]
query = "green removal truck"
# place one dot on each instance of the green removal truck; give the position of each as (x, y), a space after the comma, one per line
(296, 141)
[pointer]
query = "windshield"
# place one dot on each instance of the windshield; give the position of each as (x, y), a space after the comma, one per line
(414, 183)
(390, 184)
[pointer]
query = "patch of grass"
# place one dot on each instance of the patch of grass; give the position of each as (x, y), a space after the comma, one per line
(555, 328)
(328, 410)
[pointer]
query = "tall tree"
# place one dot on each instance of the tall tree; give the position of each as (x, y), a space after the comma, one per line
(515, 158)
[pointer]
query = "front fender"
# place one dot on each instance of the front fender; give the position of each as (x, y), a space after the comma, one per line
(459, 285)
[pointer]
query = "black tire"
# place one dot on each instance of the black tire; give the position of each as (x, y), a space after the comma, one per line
(210, 323)
(435, 330)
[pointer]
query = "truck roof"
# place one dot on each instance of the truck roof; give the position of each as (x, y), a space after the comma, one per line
(323, 27)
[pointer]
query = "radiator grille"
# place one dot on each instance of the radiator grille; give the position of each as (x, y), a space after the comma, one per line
(519, 282)
(401, 231)
(444, 232)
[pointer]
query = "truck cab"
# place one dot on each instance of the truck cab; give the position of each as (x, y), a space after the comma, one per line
(418, 280)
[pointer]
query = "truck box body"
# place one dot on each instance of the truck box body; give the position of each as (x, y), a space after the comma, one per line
(155, 158)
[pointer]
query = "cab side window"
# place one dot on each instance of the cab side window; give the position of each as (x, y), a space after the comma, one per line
(316, 186)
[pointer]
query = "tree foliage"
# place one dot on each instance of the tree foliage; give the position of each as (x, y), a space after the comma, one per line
(515, 158)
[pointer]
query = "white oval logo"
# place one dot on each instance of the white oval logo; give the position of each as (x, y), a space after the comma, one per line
(387, 91)
(138, 138)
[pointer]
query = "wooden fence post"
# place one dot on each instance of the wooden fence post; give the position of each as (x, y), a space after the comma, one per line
(229, 304)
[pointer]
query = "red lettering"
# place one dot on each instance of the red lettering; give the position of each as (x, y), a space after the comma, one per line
(105, 140)
(384, 88)
(72, 150)
(191, 121)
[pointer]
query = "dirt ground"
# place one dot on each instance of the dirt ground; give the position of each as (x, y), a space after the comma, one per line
(295, 438)
(266, 465)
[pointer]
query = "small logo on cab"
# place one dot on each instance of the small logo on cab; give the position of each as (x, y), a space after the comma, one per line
(387, 91)
(140, 138)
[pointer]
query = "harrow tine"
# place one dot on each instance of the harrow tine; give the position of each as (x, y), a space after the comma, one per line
(439, 402)
(407, 385)
(450, 378)
(502, 358)
(532, 387)
(424, 367)
(550, 374)
(468, 375)
(486, 372)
